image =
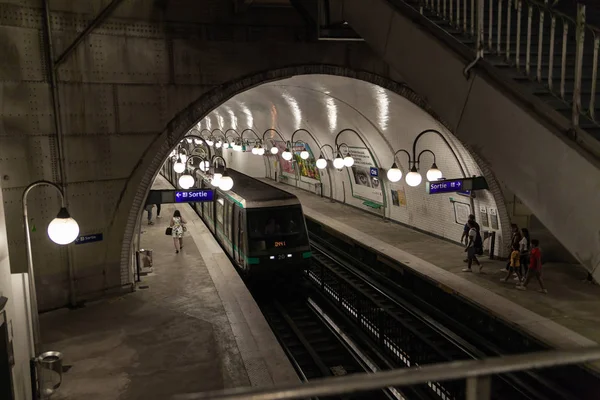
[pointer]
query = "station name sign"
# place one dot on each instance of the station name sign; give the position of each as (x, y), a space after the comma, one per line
(187, 196)
(464, 185)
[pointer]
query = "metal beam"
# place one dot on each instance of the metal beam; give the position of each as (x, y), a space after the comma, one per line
(361, 382)
(105, 13)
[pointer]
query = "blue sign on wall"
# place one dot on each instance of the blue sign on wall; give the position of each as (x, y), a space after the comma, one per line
(374, 171)
(189, 196)
(449, 186)
(94, 237)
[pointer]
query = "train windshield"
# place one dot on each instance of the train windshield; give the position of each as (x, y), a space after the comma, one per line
(276, 228)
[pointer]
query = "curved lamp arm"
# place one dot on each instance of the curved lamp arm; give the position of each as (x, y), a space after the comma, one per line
(410, 161)
(232, 130)
(205, 130)
(322, 152)
(218, 158)
(418, 161)
(199, 145)
(249, 130)
(462, 170)
(219, 131)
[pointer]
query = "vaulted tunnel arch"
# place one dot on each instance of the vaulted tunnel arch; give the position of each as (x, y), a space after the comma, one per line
(324, 100)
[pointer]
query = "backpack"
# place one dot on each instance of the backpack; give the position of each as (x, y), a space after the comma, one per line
(478, 244)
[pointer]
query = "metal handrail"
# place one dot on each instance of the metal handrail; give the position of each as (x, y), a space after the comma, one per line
(476, 373)
(524, 40)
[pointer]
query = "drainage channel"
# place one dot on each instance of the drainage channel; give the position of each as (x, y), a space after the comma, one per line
(409, 329)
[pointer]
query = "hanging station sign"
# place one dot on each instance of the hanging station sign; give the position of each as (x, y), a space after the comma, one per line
(464, 185)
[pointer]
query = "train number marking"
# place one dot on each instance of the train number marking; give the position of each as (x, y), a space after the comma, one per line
(279, 244)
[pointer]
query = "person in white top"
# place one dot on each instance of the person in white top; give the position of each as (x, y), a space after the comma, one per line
(524, 245)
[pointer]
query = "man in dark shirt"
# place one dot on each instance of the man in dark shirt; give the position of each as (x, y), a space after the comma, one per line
(465, 234)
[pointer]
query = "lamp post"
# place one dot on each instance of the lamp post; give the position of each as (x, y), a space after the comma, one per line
(222, 180)
(186, 181)
(62, 230)
(274, 150)
(414, 178)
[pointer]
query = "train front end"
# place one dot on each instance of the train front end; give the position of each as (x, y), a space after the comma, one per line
(277, 241)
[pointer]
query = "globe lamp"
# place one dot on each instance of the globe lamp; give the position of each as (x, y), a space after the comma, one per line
(63, 229)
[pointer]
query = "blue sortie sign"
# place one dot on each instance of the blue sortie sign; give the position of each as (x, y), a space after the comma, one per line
(94, 237)
(445, 186)
(374, 171)
(193, 195)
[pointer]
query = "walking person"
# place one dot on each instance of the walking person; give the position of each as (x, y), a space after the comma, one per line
(515, 238)
(524, 245)
(157, 210)
(535, 267)
(471, 248)
(515, 265)
(178, 228)
(465, 234)
(148, 209)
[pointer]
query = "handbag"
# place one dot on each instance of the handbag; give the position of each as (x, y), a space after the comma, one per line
(169, 231)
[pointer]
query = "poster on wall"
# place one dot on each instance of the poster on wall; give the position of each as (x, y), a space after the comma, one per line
(461, 212)
(493, 218)
(364, 185)
(287, 168)
(483, 217)
(307, 169)
(399, 197)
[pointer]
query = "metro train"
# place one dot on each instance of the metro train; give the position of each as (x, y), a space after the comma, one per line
(260, 227)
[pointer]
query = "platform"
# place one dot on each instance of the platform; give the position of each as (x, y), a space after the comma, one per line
(195, 328)
(568, 316)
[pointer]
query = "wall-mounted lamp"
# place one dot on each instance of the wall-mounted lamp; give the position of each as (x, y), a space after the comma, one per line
(414, 178)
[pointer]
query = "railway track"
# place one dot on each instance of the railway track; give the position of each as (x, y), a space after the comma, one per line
(315, 344)
(412, 337)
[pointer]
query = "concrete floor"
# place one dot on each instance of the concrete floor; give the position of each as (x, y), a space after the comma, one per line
(195, 329)
(171, 338)
(570, 302)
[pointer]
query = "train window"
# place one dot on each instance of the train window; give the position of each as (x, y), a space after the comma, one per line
(272, 228)
(220, 210)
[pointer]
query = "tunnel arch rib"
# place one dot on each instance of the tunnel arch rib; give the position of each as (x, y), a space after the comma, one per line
(147, 168)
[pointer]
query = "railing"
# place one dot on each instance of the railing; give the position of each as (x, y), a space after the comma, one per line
(549, 47)
(477, 374)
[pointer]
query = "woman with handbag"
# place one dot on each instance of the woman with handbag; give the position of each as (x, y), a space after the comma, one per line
(176, 228)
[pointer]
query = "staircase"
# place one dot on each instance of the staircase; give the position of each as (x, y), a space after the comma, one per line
(535, 44)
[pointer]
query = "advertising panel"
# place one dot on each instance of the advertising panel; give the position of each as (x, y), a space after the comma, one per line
(364, 185)
(307, 169)
(287, 168)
